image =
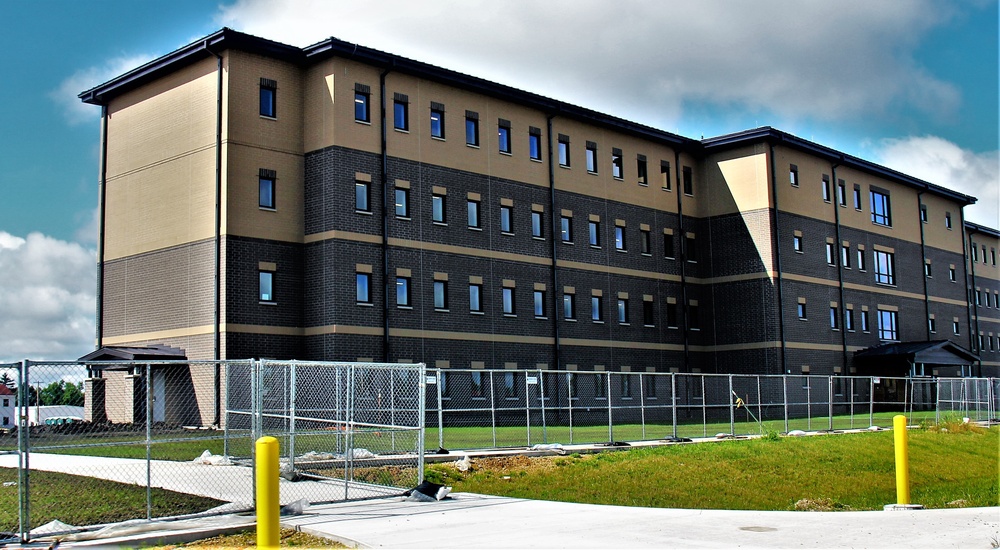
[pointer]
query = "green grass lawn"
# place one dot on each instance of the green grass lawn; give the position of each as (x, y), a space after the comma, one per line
(78, 500)
(855, 471)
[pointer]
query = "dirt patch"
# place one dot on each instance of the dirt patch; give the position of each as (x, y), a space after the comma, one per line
(820, 505)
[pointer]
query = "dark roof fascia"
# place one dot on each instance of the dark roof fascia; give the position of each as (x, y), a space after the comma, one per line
(348, 50)
(911, 349)
(775, 136)
(212, 44)
(976, 228)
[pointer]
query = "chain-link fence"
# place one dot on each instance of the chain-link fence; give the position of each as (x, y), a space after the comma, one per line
(513, 408)
(160, 439)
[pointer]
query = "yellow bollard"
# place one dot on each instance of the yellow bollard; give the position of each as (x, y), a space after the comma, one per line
(902, 460)
(268, 526)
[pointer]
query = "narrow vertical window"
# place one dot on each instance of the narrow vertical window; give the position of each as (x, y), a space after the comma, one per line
(507, 300)
(539, 303)
(363, 283)
(441, 295)
(472, 128)
(865, 327)
(642, 170)
(566, 229)
(474, 218)
(644, 242)
(648, 315)
(402, 203)
(881, 212)
(623, 311)
(923, 213)
(265, 180)
(691, 249)
(439, 212)
(268, 98)
(668, 246)
(841, 193)
(503, 136)
(620, 239)
(362, 96)
(506, 219)
(672, 316)
(564, 150)
(266, 286)
(591, 157)
(665, 181)
(475, 298)
(793, 175)
(797, 243)
(834, 318)
(616, 164)
(857, 197)
(403, 292)
(437, 120)
(845, 256)
(849, 319)
(596, 309)
(594, 233)
(947, 220)
(861, 259)
(826, 188)
(361, 202)
(536, 225)
(694, 317)
(401, 112)
(801, 310)
(534, 143)
(569, 306)
(688, 181)
(831, 254)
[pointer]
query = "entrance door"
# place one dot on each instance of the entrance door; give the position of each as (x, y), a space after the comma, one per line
(159, 395)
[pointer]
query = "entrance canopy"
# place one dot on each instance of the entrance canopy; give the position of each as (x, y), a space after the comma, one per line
(940, 358)
(157, 352)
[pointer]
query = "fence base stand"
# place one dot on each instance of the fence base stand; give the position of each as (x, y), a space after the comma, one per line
(896, 507)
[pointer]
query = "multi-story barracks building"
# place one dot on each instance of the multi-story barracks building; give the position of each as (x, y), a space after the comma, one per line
(340, 203)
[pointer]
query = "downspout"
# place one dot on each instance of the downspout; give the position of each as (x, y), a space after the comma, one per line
(217, 291)
(102, 208)
(777, 263)
(838, 253)
(556, 358)
(386, 349)
(684, 259)
(923, 254)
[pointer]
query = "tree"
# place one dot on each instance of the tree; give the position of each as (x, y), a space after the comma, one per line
(6, 380)
(61, 393)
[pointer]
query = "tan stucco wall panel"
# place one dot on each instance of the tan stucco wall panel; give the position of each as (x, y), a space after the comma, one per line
(242, 213)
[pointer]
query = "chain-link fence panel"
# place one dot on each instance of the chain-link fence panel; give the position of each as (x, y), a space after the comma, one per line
(346, 431)
(970, 398)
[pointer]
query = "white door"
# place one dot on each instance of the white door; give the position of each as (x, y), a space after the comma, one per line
(159, 395)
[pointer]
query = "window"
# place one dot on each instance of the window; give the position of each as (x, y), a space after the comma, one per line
(591, 157)
(864, 320)
(831, 254)
(507, 300)
(887, 324)
(572, 385)
(644, 242)
(596, 309)
(951, 273)
(826, 188)
(955, 327)
(536, 225)
(672, 316)
(849, 319)
(845, 256)
(648, 315)
(539, 303)
(650, 386)
(363, 282)
(509, 385)
(668, 246)
(947, 220)
(503, 136)
(885, 268)
(923, 213)
(793, 175)
(594, 233)
(927, 270)
(441, 295)
(443, 384)
(881, 213)
(993, 255)
(620, 238)
(268, 98)
(402, 203)
(797, 243)
(931, 324)
(266, 286)
(841, 193)
(439, 213)
(642, 170)
(473, 209)
(475, 298)
(437, 120)
(861, 259)
(564, 150)
(975, 253)
(984, 254)
(362, 95)
(401, 113)
(690, 248)
(688, 181)
(857, 197)
(535, 143)
(266, 188)
(665, 175)
(361, 203)
(476, 385)
(403, 292)
(600, 385)
(566, 229)
(834, 318)
(472, 129)
(623, 311)
(569, 306)
(506, 219)
(802, 311)
(694, 319)
(616, 164)
(625, 381)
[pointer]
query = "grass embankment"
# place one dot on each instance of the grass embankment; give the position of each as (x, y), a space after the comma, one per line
(80, 500)
(855, 471)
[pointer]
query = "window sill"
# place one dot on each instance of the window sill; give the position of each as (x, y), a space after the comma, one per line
(566, 166)
(688, 194)
(508, 233)
(405, 218)
(365, 304)
(595, 247)
(597, 322)
(401, 130)
(669, 257)
(622, 250)
(267, 303)
(471, 145)
(506, 153)
(265, 117)
(440, 224)
(649, 326)
(667, 189)
(477, 313)
(268, 208)
(404, 307)
(643, 184)
(475, 228)
(533, 159)
(364, 212)
(647, 254)
(569, 320)
(592, 173)
(438, 138)
(442, 310)
(538, 238)
(365, 122)
(513, 315)
(624, 324)
(567, 242)
(543, 318)
(619, 178)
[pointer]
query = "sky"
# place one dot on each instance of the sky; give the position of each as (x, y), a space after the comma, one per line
(910, 84)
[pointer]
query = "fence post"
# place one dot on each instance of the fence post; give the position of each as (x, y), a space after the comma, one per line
(673, 401)
(829, 395)
(784, 397)
(571, 383)
(642, 406)
(24, 446)
(225, 411)
(149, 441)
(291, 413)
(421, 418)
(760, 411)
(493, 409)
(527, 406)
(871, 401)
(541, 389)
(611, 433)
(439, 378)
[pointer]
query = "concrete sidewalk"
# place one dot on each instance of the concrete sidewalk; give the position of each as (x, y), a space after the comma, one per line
(477, 521)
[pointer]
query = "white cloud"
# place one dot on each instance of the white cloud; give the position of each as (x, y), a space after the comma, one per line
(66, 95)
(944, 163)
(646, 60)
(48, 305)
